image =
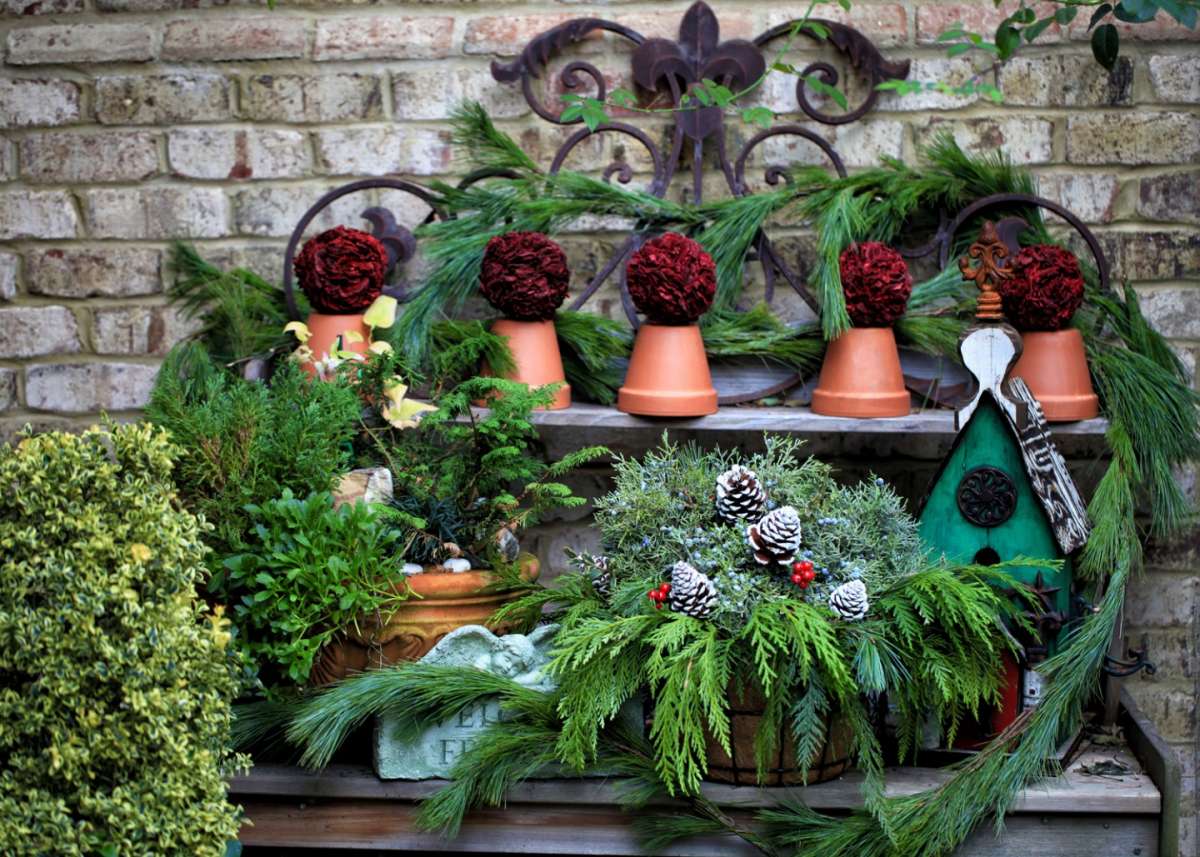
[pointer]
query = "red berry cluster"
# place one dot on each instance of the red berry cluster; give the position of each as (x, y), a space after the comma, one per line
(659, 596)
(802, 573)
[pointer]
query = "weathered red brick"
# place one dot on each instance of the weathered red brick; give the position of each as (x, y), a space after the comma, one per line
(983, 18)
(1133, 138)
(21, 8)
(1172, 197)
(109, 270)
(1026, 140)
(10, 263)
(230, 38)
(37, 214)
(80, 388)
(156, 212)
(1163, 28)
(35, 331)
(507, 35)
(69, 156)
(383, 38)
(140, 329)
(161, 99)
(885, 24)
(81, 43)
(1176, 79)
(1066, 80)
(321, 98)
(236, 154)
(25, 103)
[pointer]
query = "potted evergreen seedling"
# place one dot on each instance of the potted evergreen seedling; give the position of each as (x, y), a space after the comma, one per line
(1040, 294)
(524, 275)
(467, 482)
(861, 374)
(341, 273)
(672, 281)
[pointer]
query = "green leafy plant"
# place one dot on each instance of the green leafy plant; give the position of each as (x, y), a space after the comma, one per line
(309, 572)
(115, 679)
(244, 443)
(466, 474)
(1022, 27)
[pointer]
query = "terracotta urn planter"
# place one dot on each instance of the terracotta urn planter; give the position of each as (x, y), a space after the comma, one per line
(438, 603)
(746, 709)
(324, 331)
(861, 376)
(1054, 366)
(668, 374)
(534, 346)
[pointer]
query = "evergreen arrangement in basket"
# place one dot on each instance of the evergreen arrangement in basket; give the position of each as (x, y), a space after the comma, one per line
(727, 581)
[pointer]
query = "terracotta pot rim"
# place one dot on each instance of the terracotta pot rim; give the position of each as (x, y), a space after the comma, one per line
(443, 585)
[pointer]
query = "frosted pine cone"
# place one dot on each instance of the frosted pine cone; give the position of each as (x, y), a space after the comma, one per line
(601, 576)
(692, 592)
(740, 496)
(775, 538)
(849, 600)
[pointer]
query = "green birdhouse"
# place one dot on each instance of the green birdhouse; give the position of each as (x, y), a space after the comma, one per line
(1004, 492)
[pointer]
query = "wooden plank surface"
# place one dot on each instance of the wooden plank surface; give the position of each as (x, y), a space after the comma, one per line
(923, 434)
(371, 825)
(1075, 792)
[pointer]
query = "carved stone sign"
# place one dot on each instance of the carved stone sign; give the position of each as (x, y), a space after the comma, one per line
(433, 754)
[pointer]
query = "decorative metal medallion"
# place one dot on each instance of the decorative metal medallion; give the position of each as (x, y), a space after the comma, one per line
(987, 496)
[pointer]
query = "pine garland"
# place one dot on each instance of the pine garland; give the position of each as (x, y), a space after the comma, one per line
(241, 314)
(594, 351)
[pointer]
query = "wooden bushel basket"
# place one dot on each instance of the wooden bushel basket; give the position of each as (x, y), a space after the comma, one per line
(746, 708)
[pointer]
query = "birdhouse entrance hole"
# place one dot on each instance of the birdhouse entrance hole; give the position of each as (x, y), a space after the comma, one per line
(987, 556)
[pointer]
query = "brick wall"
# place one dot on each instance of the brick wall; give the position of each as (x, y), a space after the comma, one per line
(127, 123)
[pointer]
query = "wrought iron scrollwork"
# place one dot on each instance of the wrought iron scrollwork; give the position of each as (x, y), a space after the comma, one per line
(539, 52)
(863, 56)
(396, 239)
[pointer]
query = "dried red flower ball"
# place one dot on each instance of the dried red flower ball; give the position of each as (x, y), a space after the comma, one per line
(1045, 289)
(524, 275)
(876, 282)
(671, 279)
(341, 270)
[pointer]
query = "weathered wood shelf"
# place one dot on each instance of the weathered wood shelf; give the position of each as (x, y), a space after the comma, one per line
(346, 808)
(926, 434)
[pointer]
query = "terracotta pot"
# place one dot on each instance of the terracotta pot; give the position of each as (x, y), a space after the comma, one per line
(745, 713)
(861, 376)
(534, 346)
(325, 329)
(440, 602)
(1054, 365)
(668, 374)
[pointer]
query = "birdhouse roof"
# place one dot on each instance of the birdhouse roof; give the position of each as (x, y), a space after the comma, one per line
(988, 352)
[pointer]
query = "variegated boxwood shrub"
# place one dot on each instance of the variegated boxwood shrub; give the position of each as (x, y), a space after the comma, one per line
(115, 680)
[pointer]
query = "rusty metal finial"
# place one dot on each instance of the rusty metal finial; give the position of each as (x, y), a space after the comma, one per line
(992, 254)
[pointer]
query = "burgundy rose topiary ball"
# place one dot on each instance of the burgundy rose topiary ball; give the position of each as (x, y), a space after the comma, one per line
(1045, 289)
(341, 270)
(876, 282)
(672, 280)
(524, 275)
